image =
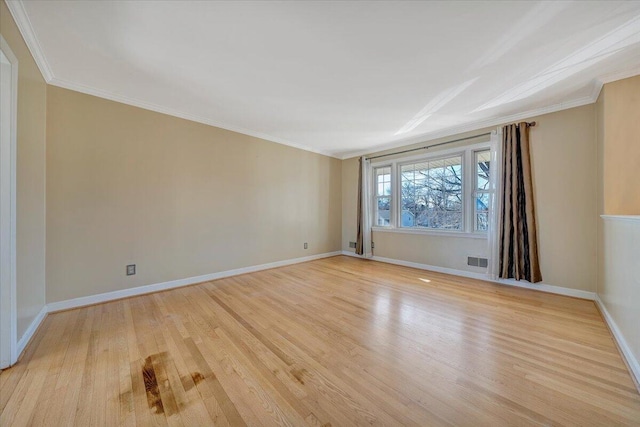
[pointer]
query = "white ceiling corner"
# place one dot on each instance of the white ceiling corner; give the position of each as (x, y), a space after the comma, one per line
(21, 18)
(618, 75)
(343, 79)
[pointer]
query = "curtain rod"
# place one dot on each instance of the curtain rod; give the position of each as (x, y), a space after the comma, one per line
(436, 145)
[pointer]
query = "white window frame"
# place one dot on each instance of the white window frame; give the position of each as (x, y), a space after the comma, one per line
(476, 191)
(375, 196)
(468, 191)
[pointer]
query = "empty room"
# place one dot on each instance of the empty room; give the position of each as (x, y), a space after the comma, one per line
(319, 213)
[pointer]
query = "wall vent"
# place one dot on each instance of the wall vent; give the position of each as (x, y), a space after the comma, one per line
(477, 262)
(352, 244)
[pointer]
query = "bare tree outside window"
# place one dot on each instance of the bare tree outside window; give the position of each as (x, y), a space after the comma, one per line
(432, 193)
(439, 193)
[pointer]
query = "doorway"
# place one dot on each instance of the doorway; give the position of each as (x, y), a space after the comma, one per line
(8, 135)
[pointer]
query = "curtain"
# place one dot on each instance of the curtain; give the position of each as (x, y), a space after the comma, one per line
(363, 242)
(494, 204)
(518, 254)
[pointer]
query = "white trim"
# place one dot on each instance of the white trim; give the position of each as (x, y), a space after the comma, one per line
(559, 290)
(430, 232)
(482, 142)
(20, 16)
(467, 159)
(619, 75)
(543, 287)
(598, 83)
(471, 126)
(31, 330)
(468, 127)
(141, 290)
(632, 362)
(632, 218)
(123, 99)
(16, 7)
(9, 171)
(596, 89)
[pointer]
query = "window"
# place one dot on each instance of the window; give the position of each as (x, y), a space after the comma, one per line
(481, 205)
(382, 190)
(432, 194)
(444, 193)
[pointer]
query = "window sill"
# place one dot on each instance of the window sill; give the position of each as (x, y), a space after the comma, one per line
(459, 234)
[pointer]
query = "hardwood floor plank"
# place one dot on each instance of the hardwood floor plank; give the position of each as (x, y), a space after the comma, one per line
(20, 409)
(227, 406)
(48, 401)
(337, 341)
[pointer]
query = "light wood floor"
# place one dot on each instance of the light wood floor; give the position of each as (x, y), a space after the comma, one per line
(339, 341)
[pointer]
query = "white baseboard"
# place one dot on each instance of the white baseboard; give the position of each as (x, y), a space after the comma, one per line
(28, 334)
(110, 296)
(632, 362)
(141, 290)
(484, 276)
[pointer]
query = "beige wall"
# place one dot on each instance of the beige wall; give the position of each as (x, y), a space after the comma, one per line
(30, 177)
(177, 198)
(621, 142)
(441, 251)
(599, 121)
(618, 148)
(564, 165)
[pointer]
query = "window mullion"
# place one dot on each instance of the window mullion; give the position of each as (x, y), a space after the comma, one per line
(468, 190)
(441, 215)
(395, 195)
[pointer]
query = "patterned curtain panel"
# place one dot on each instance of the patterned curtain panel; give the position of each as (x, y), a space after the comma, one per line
(518, 253)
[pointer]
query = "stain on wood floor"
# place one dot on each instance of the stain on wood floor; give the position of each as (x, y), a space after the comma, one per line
(333, 342)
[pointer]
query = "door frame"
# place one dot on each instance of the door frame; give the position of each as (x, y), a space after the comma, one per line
(8, 148)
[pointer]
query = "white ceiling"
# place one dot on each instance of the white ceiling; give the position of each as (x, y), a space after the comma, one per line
(338, 78)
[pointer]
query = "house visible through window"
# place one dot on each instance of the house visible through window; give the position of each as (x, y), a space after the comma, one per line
(432, 193)
(382, 196)
(446, 191)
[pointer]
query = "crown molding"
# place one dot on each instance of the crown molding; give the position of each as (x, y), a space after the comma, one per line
(598, 84)
(475, 125)
(620, 75)
(105, 94)
(16, 7)
(596, 88)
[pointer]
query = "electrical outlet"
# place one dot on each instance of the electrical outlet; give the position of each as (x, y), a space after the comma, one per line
(131, 269)
(306, 246)
(373, 245)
